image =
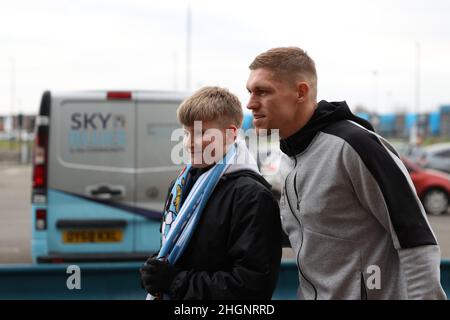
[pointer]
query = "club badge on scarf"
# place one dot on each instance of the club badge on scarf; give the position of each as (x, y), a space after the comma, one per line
(172, 206)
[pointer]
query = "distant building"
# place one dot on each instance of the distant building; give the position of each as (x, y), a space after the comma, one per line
(26, 122)
(445, 120)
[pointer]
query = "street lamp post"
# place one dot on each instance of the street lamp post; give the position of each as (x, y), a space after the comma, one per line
(12, 99)
(188, 47)
(415, 127)
(375, 89)
(417, 86)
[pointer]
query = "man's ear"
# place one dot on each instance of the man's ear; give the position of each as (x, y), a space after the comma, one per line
(303, 89)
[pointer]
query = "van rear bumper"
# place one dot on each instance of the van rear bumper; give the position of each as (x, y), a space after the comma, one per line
(93, 257)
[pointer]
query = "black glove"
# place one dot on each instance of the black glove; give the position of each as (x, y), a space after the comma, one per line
(157, 276)
(146, 262)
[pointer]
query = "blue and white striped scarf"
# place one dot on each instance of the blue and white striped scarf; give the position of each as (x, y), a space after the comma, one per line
(180, 223)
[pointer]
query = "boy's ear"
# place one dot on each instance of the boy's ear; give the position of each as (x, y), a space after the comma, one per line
(231, 134)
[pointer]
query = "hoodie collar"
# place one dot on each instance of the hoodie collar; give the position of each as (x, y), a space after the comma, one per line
(325, 114)
(244, 159)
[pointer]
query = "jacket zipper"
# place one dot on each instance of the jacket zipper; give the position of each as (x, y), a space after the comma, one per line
(296, 193)
(298, 220)
(363, 288)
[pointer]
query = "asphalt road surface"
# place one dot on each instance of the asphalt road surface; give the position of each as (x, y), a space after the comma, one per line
(15, 218)
(15, 214)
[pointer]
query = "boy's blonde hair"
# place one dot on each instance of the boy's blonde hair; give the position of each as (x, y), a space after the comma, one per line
(209, 104)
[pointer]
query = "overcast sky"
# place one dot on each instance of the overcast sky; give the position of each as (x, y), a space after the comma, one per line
(365, 51)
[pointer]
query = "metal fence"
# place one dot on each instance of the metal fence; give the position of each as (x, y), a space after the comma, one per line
(117, 281)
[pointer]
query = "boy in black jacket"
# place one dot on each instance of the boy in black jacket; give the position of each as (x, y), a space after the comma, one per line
(235, 250)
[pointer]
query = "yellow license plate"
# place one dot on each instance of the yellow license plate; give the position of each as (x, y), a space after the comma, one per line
(92, 236)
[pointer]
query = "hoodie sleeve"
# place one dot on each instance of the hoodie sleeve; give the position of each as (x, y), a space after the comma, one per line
(254, 248)
(384, 187)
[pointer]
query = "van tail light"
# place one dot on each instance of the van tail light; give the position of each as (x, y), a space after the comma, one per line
(119, 95)
(40, 158)
(41, 219)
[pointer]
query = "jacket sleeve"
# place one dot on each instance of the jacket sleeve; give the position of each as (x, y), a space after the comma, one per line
(254, 247)
(384, 188)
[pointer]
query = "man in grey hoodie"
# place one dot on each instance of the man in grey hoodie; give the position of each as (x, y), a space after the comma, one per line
(348, 204)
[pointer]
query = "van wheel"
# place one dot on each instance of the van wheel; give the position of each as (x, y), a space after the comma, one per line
(435, 201)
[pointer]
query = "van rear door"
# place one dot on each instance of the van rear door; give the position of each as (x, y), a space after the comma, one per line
(91, 178)
(156, 117)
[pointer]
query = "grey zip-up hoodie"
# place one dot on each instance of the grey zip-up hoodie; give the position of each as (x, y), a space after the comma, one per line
(352, 214)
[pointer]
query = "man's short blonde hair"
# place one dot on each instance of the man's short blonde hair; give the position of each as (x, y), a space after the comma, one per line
(211, 104)
(290, 64)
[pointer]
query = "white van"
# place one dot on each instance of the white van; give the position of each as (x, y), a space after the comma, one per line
(101, 171)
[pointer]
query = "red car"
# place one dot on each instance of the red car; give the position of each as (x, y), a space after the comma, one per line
(432, 187)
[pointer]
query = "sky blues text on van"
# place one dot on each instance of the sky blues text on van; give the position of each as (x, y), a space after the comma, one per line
(97, 130)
